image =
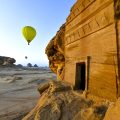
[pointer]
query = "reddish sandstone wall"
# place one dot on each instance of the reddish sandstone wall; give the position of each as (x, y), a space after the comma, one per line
(90, 31)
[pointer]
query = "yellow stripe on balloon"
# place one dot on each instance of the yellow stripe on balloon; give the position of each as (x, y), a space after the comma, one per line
(29, 33)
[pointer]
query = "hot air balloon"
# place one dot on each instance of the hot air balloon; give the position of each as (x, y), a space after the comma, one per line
(26, 57)
(29, 33)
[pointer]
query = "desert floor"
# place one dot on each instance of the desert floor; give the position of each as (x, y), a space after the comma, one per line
(18, 90)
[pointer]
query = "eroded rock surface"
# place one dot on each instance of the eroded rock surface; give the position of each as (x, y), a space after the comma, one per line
(60, 102)
(7, 61)
(113, 112)
(55, 53)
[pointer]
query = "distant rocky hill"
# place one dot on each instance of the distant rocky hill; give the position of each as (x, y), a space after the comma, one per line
(6, 61)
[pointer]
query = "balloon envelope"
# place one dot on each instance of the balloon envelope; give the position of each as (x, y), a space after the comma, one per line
(26, 57)
(29, 33)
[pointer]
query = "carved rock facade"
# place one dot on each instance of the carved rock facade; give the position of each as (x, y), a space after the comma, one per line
(91, 48)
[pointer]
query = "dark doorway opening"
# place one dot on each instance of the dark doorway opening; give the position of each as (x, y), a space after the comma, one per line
(80, 76)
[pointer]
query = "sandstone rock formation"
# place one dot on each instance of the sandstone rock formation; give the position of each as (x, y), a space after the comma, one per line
(60, 102)
(55, 53)
(7, 61)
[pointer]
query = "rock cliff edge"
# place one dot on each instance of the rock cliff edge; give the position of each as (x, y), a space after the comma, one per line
(59, 102)
(55, 53)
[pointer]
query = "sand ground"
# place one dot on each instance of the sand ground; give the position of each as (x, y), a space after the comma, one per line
(18, 90)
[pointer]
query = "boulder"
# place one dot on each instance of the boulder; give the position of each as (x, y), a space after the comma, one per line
(43, 87)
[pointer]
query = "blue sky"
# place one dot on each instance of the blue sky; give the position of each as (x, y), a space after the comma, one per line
(46, 16)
